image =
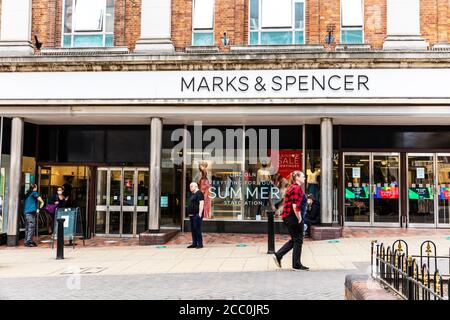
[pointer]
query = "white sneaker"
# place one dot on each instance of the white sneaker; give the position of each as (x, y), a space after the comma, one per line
(277, 261)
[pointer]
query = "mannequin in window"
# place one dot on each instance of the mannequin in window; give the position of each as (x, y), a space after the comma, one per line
(313, 180)
(204, 184)
(264, 185)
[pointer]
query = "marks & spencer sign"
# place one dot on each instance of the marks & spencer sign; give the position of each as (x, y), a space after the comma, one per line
(233, 86)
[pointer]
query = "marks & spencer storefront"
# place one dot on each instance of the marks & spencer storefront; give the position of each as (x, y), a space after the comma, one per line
(374, 144)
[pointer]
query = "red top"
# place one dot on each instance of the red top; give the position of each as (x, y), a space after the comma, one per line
(294, 195)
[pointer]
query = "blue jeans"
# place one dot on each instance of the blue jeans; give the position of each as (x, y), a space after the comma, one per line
(196, 230)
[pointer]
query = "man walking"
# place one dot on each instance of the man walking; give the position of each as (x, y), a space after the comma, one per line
(293, 218)
(195, 211)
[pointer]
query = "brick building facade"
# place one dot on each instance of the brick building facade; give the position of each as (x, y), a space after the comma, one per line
(231, 16)
(356, 90)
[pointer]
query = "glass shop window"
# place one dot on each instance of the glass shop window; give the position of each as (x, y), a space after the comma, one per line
(88, 23)
(277, 22)
(203, 23)
(352, 21)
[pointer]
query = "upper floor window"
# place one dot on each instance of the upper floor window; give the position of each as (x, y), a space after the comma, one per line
(88, 23)
(352, 21)
(277, 22)
(203, 23)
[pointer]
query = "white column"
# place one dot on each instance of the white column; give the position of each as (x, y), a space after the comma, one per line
(326, 171)
(15, 177)
(15, 29)
(155, 174)
(403, 26)
(156, 17)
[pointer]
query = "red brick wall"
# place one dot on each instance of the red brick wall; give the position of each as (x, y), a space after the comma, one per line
(47, 22)
(231, 16)
(375, 22)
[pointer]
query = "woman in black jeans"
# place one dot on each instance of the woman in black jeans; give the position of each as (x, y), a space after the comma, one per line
(293, 218)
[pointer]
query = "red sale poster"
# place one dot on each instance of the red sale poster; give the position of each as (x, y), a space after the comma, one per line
(288, 161)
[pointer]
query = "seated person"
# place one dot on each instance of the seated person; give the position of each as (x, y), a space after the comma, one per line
(312, 213)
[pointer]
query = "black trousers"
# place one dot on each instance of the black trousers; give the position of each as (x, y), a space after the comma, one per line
(196, 230)
(296, 231)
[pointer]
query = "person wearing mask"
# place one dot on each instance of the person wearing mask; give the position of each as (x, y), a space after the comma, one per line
(57, 201)
(195, 211)
(293, 218)
(312, 214)
(31, 209)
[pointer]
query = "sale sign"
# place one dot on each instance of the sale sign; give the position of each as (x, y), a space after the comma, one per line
(289, 161)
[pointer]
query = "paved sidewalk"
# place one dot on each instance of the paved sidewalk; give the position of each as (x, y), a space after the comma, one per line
(339, 254)
(272, 285)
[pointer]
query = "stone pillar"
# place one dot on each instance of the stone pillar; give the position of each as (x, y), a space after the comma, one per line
(15, 29)
(156, 17)
(326, 173)
(403, 26)
(15, 179)
(155, 173)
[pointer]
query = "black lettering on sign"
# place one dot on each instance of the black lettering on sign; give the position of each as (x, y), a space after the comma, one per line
(316, 81)
(362, 81)
(348, 82)
(187, 86)
(290, 81)
(276, 85)
(302, 82)
(203, 85)
(217, 82)
(329, 82)
(230, 84)
(244, 84)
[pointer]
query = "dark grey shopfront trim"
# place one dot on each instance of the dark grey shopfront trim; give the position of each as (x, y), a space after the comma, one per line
(240, 226)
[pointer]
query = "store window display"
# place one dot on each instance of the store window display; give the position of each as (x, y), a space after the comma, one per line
(313, 178)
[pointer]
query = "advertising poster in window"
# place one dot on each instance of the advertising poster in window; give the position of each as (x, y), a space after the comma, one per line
(390, 192)
(357, 192)
(420, 193)
(445, 193)
(289, 161)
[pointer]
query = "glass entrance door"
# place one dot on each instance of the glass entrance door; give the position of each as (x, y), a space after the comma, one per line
(443, 199)
(372, 189)
(356, 189)
(421, 189)
(385, 189)
(122, 201)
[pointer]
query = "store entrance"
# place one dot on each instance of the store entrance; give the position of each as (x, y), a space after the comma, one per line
(371, 189)
(74, 179)
(122, 199)
(428, 189)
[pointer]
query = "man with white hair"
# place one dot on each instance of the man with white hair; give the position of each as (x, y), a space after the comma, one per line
(195, 211)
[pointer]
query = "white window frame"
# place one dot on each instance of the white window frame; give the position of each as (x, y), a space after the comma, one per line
(197, 31)
(345, 28)
(73, 33)
(292, 29)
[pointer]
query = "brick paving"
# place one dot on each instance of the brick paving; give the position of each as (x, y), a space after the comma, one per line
(274, 285)
(184, 238)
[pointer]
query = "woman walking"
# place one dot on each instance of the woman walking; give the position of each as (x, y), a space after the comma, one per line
(293, 218)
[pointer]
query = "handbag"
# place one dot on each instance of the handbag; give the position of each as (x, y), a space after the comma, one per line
(51, 208)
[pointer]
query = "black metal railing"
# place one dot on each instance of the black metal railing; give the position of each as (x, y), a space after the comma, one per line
(413, 277)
